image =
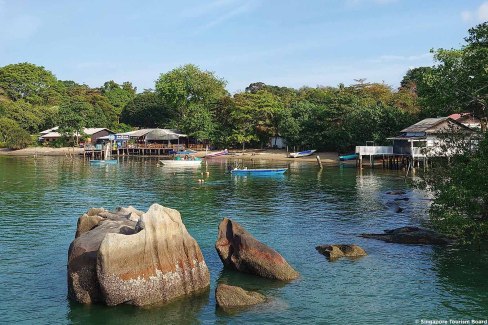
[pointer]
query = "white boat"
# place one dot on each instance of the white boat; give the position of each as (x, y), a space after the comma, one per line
(301, 153)
(217, 154)
(182, 162)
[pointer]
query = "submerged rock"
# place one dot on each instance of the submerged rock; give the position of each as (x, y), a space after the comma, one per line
(411, 235)
(396, 192)
(333, 252)
(231, 297)
(153, 260)
(239, 250)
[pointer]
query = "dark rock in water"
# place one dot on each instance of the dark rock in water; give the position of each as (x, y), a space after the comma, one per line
(411, 235)
(398, 209)
(149, 261)
(233, 297)
(396, 192)
(394, 206)
(239, 250)
(402, 199)
(333, 252)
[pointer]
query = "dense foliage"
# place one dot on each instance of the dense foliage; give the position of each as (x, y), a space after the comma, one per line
(460, 189)
(459, 83)
(197, 103)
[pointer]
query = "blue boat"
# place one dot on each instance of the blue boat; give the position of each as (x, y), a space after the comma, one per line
(260, 171)
(348, 157)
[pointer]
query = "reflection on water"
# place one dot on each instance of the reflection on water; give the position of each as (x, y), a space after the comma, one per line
(462, 274)
(180, 311)
(41, 199)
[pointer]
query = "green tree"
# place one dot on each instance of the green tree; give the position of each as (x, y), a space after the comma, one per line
(29, 82)
(459, 81)
(460, 190)
(187, 89)
(118, 95)
(12, 135)
(148, 110)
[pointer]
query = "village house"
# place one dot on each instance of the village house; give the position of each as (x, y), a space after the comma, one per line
(418, 142)
(468, 119)
(427, 137)
(91, 135)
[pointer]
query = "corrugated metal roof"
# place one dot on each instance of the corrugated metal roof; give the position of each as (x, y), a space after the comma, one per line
(90, 131)
(155, 133)
(49, 130)
(51, 135)
(425, 125)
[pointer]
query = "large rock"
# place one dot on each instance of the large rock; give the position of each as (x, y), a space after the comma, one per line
(233, 297)
(153, 260)
(333, 252)
(239, 250)
(411, 235)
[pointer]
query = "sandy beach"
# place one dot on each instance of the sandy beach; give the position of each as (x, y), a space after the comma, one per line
(41, 151)
(327, 158)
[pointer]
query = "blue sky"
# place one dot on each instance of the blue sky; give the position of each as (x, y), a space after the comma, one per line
(279, 42)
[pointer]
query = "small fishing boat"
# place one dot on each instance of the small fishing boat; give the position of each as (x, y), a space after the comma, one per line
(301, 153)
(352, 156)
(104, 162)
(258, 171)
(217, 154)
(186, 152)
(190, 162)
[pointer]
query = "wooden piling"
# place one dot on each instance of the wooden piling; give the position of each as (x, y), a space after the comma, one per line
(319, 162)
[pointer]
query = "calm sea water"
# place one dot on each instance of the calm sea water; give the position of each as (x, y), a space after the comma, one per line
(41, 199)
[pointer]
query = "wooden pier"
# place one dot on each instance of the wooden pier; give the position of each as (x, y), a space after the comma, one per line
(390, 159)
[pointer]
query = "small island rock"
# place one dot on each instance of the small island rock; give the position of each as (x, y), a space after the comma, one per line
(333, 252)
(151, 261)
(239, 250)
(411, 235)
(231, 297)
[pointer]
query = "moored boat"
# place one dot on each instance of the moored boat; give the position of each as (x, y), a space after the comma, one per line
(217, 154)
(301, 153)
(352, 156)
(258, 171)
(104, 162)
(193, 162)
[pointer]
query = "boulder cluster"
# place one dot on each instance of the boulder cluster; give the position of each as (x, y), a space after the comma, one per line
(144, 258)
(132, 257)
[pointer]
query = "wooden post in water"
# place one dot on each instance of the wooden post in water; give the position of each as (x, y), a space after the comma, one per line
(319, 162)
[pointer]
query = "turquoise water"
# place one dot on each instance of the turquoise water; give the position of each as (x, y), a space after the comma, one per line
(41, 199)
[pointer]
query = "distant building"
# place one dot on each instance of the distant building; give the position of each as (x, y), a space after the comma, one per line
(277, 142)
(468, 119)
(92, 134)
(427, 136)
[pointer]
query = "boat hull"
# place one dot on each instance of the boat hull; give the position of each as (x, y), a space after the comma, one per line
(301, 153)
(181, 163)
(217, 154)
(104, 162)
(348, 157)
(263, 172)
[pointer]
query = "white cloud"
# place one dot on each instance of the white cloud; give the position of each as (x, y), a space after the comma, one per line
(241, 9)
(223, 15)
(466, 15)
(483, 12)
(478, 15)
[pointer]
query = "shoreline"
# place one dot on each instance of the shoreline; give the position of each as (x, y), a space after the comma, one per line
(327, 158)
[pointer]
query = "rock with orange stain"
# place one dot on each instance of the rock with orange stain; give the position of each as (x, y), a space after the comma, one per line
(239, 250)
(151, 261)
